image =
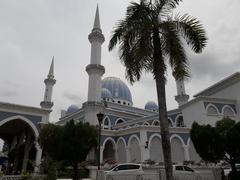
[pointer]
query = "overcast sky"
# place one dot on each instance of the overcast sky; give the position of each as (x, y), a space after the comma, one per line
(32, 31)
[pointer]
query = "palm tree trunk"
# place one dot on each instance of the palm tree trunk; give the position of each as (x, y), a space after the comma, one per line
(159, 69)
(75, 171)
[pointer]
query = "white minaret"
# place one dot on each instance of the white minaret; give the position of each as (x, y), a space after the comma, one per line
(49, 83)
(95, 70)
(181, 97)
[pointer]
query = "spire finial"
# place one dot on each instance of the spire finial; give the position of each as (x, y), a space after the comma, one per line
(97, 20)
(51, 70)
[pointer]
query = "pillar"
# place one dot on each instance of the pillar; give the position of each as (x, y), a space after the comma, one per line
(38, 157)
(128, 154)
(144, 146)
(186, 153)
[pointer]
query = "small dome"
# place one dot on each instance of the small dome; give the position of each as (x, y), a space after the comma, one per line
(106, 93)
(152, 106)
(117, 88)
(72, 109)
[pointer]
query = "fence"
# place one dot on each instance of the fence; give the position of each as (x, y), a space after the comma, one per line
(19, 177)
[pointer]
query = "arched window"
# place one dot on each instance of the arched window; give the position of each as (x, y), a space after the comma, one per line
(106, 123)
(212, 110)
(170, 123)
(156, 123)
(146, 124)
(180, 122)
(119, 121)
(228, 111)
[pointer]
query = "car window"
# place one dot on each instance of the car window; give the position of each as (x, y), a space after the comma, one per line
(188, 169)
(121, 168)
(179, 168)
(132, 166)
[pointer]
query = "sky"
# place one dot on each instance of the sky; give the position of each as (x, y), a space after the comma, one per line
(32, 31)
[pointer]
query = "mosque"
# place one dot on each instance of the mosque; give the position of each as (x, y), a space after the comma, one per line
(129, 134)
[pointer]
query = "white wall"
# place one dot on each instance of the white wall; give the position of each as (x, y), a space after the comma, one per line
(196, 112)
(1, 144)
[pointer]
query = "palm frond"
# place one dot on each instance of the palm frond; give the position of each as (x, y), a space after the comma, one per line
(173, 49)
(192, 30)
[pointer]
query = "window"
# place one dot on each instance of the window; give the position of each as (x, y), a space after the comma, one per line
(106, 123)
(212, 110)
(188, 169)
(227, 111)
(180, 122)
(170, 123)
(119, 121)
(146, 124)
(179, 168)
(156, 123)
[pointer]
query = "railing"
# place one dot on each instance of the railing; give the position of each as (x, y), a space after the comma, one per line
(19, 177)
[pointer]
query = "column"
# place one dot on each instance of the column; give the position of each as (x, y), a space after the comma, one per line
(128, 154)
(186, 153)
(144, 146)
(27, 148)
(38, 157)
(101, 154)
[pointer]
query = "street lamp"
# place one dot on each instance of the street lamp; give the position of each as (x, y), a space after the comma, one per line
(100, 119)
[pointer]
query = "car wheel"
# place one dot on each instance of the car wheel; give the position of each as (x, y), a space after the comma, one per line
(139, 177)
(109, 177)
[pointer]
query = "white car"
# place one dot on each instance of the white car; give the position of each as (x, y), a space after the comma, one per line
(184, 171)
(122, 171)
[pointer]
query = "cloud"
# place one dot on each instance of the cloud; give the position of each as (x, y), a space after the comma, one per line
(72, 97)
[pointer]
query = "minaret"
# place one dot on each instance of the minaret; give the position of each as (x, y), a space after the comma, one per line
(181, 97)
(95, 70)
(49, 82)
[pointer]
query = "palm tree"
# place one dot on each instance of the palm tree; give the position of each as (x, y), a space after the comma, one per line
(149, 38)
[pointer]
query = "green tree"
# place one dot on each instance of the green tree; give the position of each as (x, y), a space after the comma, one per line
(149, 38)
(70, 143)
(218, 143)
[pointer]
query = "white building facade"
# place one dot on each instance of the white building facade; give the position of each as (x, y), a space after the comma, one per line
(131, 134)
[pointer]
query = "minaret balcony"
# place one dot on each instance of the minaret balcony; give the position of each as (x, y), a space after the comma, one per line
(50, 81)
(95, 69)
(96, 36)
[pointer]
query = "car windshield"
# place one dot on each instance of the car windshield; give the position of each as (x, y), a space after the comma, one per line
(112, 167)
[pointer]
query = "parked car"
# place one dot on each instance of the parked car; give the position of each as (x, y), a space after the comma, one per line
(227, 169)
(182, 170)
(121, 171)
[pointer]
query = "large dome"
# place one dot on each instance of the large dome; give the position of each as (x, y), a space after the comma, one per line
(118, 89)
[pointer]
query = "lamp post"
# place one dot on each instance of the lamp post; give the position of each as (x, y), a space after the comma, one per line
(100, 119)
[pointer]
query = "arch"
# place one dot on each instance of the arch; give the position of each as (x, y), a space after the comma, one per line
(146, 124)
(121, 150)
(156, 123)
(177, 149)
(170, 122)
(119, 120)
(109, 150)
(106, 123)
(177, 136)
(34, 128)
(107, 139)
(155, 148)
(228, 111)
(134, 149)
(212, 109)
(179, 121)
(192, 151)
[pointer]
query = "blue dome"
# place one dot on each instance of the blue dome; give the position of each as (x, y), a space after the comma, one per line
(72, 109)
(106, 93)
(151, 106)
(117, 88)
